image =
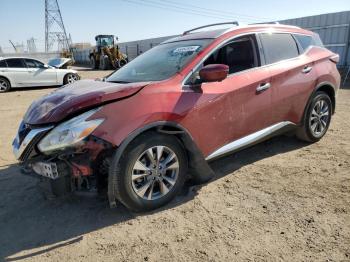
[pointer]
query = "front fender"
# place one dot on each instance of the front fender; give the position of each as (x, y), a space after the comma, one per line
(199, 169)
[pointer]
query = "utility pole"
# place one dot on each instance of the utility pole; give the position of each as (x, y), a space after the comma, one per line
(54, 27)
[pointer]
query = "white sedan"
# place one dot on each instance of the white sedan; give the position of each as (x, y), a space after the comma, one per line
(25, 72)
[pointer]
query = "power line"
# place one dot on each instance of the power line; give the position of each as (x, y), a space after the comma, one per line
(216, 11)
(176, 9)
(197, 10)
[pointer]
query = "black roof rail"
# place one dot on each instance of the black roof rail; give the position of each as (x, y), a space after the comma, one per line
(226, 23)
(266, 23)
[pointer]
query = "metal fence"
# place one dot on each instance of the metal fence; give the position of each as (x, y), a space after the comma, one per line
(135, 48)
(334, 30)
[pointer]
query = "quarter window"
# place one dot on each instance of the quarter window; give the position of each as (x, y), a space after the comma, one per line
(305, 41)
(278, 47)
(15, 63)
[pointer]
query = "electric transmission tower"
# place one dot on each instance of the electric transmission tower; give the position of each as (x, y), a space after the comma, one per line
(31, 46)
(55, 32)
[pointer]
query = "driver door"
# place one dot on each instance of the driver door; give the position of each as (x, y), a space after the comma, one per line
(234, 108)
(39, 74)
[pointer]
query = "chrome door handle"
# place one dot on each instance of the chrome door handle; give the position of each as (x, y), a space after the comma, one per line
(307, 69)
(263, 87)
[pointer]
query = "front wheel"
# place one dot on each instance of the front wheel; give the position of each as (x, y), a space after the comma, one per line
(151, 172)
(70, 78)
(93, 63)
(317, 118)
(104, 63)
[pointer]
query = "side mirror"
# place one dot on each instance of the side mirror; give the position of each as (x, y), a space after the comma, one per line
(45, 66)
(214, 73)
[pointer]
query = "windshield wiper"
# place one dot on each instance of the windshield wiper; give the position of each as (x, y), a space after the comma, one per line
(119, 82)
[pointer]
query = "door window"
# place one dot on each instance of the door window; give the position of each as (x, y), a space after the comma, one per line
(3, 64)
(15, 63)
(31, 63)
(240, 54)
(278, 47)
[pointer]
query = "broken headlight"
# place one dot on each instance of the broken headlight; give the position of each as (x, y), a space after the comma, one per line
(69, 133)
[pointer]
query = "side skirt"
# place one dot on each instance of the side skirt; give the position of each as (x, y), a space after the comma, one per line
(251, 139)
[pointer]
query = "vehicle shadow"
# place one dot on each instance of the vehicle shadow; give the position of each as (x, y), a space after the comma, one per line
(28, 220)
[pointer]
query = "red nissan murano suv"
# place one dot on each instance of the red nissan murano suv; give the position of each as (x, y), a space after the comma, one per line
(142, 131)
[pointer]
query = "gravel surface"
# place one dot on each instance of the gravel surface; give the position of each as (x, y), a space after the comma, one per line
(280, 200)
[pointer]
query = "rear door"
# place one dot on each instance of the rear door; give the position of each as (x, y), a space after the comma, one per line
(17, 72)
(292, 76)
(39, 75)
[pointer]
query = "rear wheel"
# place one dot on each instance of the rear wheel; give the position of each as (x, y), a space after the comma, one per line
(122, 63)
(317, 118)
(5, 85)
(151, 172)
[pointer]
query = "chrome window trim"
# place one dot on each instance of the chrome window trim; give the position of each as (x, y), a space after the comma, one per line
(247, 140)
(18, 151)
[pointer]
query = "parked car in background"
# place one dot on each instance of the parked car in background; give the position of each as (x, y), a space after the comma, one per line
(143, 130)
(28, 72)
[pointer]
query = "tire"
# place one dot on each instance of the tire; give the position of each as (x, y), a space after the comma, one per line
(70, 78)
(5, 85)
(93, 63)
(122, 63)
(104, 63)
(147, 192)
(316, 119)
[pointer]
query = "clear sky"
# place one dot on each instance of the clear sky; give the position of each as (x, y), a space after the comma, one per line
(139, 19)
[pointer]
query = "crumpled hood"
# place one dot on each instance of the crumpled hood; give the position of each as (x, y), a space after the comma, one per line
(78, 96)
(60, 62)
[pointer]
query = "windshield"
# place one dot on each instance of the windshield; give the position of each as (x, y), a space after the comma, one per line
(106, 41)
(56, 62)
(160, 62)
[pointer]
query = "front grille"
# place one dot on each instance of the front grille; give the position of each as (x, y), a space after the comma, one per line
(30, 149)
(23, 131)
(24, 146)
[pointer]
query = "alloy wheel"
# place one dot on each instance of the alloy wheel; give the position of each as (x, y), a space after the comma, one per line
(319, 118)
(3, 85)
(71, 78)
(155, 172)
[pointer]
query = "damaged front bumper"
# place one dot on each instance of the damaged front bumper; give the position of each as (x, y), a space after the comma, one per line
(84, 165)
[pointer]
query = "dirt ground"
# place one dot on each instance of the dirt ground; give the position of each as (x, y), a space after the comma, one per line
(282, 200)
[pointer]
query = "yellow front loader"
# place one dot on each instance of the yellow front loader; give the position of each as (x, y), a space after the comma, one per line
(106, 54)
